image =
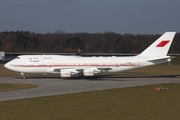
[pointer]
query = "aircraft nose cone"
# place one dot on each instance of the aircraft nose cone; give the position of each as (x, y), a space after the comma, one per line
(7, 65)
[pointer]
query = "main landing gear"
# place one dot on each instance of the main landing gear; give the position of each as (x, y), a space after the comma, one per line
(89, 77)
(23, 76)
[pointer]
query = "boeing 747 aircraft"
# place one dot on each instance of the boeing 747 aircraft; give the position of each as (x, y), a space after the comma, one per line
(77, 66)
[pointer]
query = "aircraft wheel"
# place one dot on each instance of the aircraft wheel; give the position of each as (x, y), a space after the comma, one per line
(23, 76)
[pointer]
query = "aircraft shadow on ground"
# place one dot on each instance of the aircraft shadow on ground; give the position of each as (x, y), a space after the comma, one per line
(99, 77)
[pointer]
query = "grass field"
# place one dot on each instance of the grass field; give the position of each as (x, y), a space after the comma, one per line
(136, 103)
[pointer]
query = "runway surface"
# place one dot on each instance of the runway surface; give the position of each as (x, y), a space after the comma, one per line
(48, 86)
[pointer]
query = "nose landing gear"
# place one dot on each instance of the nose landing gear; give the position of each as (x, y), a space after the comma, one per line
(23, 76)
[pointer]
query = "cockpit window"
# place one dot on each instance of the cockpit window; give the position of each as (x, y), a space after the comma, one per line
(18, 58)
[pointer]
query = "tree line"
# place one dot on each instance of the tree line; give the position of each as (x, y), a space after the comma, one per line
(61, 42)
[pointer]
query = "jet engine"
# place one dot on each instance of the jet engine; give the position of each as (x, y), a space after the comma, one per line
(69, 73)
(90, 72)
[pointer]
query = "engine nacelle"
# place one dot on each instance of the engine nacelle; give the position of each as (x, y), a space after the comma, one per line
(90, 72)
(69, 73)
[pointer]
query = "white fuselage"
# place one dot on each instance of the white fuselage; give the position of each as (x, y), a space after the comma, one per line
(48, 63)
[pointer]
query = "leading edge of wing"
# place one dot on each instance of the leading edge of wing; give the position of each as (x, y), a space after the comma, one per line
(81, 69)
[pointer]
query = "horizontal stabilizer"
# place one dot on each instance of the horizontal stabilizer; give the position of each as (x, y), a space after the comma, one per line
(159, 58)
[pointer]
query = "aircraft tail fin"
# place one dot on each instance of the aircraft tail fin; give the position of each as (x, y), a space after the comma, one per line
(160, 47)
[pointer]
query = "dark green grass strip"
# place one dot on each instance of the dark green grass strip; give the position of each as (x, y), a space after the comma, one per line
(135, 103)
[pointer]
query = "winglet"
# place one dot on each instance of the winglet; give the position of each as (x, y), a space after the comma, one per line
(160, 47)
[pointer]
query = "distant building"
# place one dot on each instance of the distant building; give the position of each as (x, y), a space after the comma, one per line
(2, 55)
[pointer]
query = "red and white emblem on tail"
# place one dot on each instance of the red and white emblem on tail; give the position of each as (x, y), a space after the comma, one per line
(160, 47)
(163, 43)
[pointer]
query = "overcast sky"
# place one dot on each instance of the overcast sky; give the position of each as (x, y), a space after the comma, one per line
(71, 16)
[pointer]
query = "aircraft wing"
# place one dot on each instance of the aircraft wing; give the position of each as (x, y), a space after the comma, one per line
(86, 72)
(81, 69)
(104, 69)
